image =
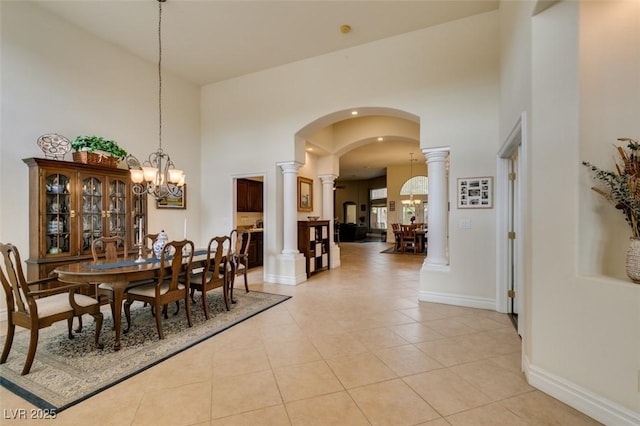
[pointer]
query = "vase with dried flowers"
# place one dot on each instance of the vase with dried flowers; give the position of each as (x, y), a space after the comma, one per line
(622, 188)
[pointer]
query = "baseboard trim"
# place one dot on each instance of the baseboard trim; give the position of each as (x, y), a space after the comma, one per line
(457, 300)
(583, 400)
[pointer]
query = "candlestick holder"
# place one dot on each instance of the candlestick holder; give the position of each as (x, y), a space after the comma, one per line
(140, 258)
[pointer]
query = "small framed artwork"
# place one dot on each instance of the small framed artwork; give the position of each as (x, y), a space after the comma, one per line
(305, 194)
(475, 192)
(392, 206)
(174, 202)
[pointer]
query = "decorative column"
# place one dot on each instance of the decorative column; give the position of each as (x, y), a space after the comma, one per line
(290, 208)
(438, 207)
(328, 213)
(290, 266)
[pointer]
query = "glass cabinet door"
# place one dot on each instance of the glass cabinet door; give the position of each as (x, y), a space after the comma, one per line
(139, 219)
(92, 211)
(117, 209)
(58, 213)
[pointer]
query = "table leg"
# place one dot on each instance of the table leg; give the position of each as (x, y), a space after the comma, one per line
(118, 296)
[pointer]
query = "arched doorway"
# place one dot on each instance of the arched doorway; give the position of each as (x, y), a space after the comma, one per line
(355, 150)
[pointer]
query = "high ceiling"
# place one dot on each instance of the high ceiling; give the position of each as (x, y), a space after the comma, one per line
(207, 41)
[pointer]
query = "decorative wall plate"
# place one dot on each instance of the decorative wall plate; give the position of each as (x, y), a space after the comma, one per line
(54, 146)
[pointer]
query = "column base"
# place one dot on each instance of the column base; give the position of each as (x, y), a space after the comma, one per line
(335, 256)
(290, 269)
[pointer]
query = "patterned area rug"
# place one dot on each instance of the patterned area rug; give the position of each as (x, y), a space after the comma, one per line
(66, 372)
(392, 250)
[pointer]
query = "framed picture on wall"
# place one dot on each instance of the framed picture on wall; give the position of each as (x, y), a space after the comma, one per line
(305, 194)
(173, 202)
(475, 192)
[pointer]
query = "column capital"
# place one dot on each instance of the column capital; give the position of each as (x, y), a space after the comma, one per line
(328, 178)
(436, 154)
(289, 166)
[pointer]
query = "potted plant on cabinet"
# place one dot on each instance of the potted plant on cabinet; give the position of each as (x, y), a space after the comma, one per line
(622, 189)
(97, 150)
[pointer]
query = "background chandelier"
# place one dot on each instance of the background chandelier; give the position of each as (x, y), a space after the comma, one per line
(157, 176)
(411, 201)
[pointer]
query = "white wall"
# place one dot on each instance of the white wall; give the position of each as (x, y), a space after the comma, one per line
(446, 75)
(56, 78)
(595, 321)
(609, 97)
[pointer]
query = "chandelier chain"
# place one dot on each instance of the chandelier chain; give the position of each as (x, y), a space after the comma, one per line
(157, 175)
(160, 74)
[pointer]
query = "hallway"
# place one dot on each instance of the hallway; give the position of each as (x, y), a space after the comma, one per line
(351, 347)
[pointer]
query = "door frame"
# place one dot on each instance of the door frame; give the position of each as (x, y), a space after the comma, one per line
(515, 141)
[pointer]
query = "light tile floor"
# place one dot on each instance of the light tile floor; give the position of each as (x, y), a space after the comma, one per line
(353, 346)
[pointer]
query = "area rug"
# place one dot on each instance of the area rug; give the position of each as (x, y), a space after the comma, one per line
(66, 372)
(392, 250)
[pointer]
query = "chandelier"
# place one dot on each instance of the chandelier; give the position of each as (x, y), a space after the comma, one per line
(157, 175)
(411, 201)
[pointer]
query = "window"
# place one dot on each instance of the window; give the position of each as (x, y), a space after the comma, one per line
(378, 194)
(378, 212)
(417, 185)
(378, 219)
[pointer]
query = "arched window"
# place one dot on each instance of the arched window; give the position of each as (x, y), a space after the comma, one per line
(417, 185)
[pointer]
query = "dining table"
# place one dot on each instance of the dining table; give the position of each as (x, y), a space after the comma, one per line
(119, 275)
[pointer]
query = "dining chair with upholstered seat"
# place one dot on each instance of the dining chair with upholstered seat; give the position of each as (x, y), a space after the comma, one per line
(217, 272)
(240, 240)
(168, 287)
(38, 304)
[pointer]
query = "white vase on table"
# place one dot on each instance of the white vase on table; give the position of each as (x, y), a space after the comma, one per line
(161, 241)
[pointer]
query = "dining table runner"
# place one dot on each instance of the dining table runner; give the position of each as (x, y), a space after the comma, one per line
(123, 263)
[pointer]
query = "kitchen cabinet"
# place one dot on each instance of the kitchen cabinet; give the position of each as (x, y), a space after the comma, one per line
(256, 247)
(71, 204)
(249, 195)
(313, 242)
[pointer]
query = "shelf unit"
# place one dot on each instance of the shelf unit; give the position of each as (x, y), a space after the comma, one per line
(71, 204)
(313, 242)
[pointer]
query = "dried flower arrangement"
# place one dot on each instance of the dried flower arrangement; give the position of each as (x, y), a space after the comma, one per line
(622, 187)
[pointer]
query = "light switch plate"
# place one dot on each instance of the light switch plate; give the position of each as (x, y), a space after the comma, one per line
(465, 223)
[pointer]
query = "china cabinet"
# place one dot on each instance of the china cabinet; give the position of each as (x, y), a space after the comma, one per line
(313, 242)
(71, 204)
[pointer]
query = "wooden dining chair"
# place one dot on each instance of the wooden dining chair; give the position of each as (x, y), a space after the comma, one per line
(168, 287)
(39, 304)
(397, 236)
(409, 238)
(218, 272)
(112, 249)
(240, 240)
(147, 242)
